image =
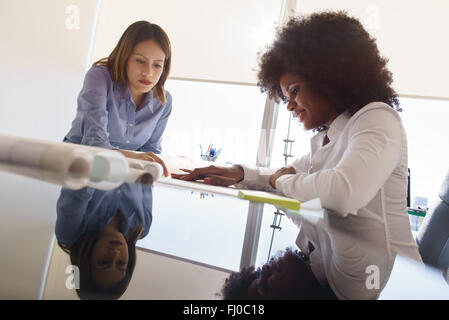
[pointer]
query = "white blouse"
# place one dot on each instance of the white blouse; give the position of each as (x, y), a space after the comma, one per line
(361, 177)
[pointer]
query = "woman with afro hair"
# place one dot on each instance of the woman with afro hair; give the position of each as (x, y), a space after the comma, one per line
(329, 72)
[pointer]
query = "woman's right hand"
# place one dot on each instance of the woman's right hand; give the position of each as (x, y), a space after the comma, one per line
(147, 156)
(150, 156)
(279, 173)
(219, 176)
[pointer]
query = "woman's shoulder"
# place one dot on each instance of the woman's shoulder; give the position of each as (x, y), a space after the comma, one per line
(377, 110)
(377, 116)
(99, 72)
(97, 78)
(165, 106)
(167, 94)
(168, 97)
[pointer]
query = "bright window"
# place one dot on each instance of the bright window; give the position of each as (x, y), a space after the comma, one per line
(226, 115)
(425, 123)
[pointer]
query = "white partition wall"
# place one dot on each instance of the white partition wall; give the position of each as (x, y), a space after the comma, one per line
(43, 55)
(211, 39)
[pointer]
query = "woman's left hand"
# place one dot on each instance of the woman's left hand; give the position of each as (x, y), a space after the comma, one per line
(280, 172)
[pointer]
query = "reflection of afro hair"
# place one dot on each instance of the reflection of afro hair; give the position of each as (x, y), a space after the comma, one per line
(334, 55)
(237, 284)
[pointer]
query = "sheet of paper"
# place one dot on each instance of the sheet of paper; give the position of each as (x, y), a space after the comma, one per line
(199, 186)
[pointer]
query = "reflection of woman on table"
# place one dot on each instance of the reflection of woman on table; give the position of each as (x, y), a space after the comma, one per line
(99, 230)
(123, 104)
(328, 71)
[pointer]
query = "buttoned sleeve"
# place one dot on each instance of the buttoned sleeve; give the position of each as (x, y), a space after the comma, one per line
(257, 178)
(92, 103)
(71, 208)
(374, 149)
(154, 143)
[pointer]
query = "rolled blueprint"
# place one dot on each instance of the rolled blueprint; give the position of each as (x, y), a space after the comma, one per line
(70, 165)
(143, 171)
(109, 169)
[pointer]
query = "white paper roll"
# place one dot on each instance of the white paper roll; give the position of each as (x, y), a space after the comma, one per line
(71, 165)
(143, 171)
(52, 162)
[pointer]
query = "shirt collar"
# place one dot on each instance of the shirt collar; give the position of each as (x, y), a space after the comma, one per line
(337, 126)
(148, 99)
(122, 92)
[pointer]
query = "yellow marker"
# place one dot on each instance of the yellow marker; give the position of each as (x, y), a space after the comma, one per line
(266, 197)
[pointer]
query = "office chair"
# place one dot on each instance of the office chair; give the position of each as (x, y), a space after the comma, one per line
(433, 235)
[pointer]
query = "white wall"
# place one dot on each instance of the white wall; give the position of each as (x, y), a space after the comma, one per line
(43, 64)
(211, 39)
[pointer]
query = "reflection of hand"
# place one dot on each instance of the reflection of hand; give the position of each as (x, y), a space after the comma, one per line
(147, 156)
(280, 172)
(150, 156)
(220, 176)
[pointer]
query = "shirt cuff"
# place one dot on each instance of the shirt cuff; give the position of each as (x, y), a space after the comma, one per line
(255, 179)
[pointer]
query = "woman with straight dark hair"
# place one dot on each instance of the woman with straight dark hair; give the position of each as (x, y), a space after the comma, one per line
(123, 104)
(99, 230)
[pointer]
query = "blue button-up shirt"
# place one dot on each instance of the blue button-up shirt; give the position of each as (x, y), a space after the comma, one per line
(90, 210)
(107, 117)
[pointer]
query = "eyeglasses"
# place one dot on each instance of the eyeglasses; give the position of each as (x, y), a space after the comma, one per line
(301, 255)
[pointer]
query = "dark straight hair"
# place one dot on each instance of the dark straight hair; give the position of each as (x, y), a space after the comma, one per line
(136, 33)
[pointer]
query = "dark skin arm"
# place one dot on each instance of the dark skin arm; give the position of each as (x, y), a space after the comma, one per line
(214, 175)
(222, 176)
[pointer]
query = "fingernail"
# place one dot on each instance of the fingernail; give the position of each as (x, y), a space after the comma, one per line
(207, 180)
